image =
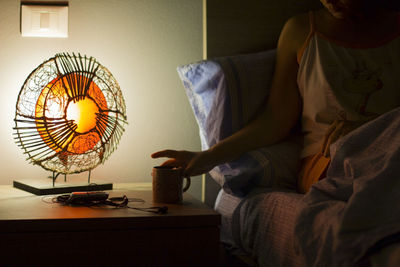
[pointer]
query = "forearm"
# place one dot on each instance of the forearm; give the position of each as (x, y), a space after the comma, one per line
(265, 130)
(280, 115)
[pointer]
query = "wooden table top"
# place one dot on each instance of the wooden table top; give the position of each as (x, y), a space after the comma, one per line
(24, 212)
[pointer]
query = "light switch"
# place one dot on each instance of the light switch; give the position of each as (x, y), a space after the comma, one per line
(44, 21)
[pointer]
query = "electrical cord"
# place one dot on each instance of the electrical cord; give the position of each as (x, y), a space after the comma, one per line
(117, 202)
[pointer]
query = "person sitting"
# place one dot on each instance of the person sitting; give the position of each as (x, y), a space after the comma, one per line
(336, 69)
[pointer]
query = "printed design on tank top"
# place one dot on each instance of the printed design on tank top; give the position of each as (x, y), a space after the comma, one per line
(356, 91)
(364, 81)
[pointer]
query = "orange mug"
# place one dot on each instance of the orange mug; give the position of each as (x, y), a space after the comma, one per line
(168, 184)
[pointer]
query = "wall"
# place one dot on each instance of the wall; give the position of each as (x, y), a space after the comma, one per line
(141, 42)
(229, 21)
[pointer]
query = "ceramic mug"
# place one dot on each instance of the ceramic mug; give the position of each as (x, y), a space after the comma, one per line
(168, 184)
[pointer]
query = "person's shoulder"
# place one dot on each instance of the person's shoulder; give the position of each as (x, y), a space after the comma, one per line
(297, 29)
(299, 21)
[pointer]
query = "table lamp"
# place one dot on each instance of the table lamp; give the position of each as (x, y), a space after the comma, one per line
(69, 118)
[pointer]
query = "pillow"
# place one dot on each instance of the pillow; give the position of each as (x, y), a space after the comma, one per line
(225, 94)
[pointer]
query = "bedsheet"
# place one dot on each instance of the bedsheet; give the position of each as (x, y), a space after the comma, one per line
(357, 205)
(260, 225)
(338, 220)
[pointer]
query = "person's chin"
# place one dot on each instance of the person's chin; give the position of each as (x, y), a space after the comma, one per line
(345, 14)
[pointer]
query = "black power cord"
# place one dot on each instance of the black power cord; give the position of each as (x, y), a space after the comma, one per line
(88, 199)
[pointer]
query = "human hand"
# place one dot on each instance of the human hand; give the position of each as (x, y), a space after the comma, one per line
(192, 163)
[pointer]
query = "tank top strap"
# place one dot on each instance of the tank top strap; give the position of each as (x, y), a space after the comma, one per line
(310, 34)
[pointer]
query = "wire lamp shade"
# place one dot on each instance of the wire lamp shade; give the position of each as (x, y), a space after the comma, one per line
(70, 114)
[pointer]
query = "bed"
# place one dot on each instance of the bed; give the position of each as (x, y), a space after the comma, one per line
(344, 220)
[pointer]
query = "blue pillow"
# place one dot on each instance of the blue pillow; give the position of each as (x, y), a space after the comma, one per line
(225, 94)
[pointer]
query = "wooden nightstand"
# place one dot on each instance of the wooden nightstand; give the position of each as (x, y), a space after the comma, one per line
(36, 232)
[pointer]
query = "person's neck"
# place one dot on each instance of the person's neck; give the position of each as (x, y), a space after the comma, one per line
(364, 17)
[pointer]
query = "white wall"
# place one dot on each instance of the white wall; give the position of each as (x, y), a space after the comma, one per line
(141, 42)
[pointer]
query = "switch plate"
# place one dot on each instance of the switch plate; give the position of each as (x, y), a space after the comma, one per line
(44, 21)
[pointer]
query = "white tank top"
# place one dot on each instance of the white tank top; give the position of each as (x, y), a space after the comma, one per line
(357, 82)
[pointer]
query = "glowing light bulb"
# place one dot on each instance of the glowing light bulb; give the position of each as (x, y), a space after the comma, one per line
(83, 113)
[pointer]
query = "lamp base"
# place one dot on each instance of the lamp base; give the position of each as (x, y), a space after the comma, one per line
(46, 188)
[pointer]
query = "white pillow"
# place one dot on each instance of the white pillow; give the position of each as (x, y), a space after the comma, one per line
(225, 94)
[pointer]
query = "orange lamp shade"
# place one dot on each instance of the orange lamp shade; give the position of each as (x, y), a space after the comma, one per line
(56, 101)
(70, 114)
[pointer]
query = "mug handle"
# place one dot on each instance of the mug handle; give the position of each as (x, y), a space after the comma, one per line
(187, 185)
